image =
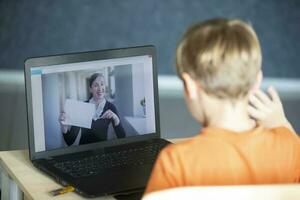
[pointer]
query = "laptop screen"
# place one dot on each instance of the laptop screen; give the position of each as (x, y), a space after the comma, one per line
(80, 103)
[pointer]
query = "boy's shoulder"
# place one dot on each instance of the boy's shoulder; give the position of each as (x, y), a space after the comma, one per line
(282, 130)
(284, 133)
(205, 141)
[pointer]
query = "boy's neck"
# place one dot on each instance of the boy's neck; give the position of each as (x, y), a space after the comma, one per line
(229, 115)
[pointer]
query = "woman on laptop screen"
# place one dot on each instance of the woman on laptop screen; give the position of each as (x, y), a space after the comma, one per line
(104, 115)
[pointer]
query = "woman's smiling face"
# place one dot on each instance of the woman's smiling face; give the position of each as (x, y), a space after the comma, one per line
(98, 88)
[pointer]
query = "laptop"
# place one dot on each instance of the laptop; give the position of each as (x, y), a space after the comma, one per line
(93, 119)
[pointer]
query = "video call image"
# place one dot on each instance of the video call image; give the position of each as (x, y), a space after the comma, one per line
(94, 105)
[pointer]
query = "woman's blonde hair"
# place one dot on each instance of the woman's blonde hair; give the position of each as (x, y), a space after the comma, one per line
(223, 55)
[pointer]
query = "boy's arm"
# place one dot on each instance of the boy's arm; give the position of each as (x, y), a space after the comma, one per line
(268, 110)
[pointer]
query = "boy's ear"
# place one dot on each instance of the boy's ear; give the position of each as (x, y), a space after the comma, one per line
(257, 83)
(191, 86)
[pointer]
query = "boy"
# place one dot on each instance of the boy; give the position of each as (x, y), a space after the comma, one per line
(246, 137)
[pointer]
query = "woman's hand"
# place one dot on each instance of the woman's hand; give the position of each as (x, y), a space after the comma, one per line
(268, 110)
(62, 119)
(111, 115)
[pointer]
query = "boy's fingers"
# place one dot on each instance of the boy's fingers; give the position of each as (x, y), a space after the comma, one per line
(257, 103)
(263, 97)
(274, 94)
(256, 114)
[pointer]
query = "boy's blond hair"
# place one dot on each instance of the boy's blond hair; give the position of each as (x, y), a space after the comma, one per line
(223, 55)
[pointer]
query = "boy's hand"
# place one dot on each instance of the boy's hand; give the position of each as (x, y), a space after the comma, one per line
(268, 111)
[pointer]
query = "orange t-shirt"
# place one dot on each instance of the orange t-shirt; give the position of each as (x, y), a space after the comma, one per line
(222, 157)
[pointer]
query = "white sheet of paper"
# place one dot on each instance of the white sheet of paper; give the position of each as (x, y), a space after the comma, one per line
(79, 113)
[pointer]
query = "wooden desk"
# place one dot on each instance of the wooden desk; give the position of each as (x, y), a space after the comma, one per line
(21, 180)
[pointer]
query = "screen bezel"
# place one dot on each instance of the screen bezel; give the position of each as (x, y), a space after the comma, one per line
(84, 57)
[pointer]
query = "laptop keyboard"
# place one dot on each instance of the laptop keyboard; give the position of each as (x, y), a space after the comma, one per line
(95, 164)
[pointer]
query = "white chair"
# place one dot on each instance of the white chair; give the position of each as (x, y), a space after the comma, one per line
(241, 192)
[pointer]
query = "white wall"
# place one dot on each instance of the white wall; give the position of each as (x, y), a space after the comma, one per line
(174, 117)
